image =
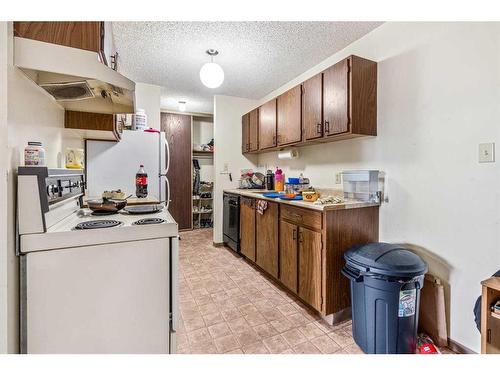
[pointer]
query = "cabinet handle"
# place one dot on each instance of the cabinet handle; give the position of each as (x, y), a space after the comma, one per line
(488, 336)
(294, 234)
(301, 239)
(274, 140)
(327, 127)
(318, 128)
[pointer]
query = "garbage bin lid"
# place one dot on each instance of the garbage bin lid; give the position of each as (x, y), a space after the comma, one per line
(385, 259)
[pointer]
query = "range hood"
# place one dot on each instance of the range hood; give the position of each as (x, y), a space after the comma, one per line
(75, 78)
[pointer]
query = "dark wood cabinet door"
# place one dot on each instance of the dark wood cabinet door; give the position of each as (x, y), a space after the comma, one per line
(289, 116)
(267, 125)
(288, 255)
(267, 239)
(247, 227)
(312, 107)
(177, 129)
(245, 133)
(253, 130)
(83, 35)
(310, 267)
(336, 111)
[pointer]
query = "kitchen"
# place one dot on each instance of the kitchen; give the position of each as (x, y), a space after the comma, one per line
(375, 132)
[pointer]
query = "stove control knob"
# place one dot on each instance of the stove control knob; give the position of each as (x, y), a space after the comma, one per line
(52, 190)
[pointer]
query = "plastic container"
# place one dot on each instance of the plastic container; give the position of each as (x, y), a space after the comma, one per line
(140, 120)
(34, 154)
(293, 180)
(74, 158)
(279, 180)
(385, 294)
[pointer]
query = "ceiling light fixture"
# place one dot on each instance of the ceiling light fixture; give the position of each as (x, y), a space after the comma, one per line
(211, 74)
(182, 106)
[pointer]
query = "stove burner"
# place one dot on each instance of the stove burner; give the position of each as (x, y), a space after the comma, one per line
(98, 224)
(149, 220)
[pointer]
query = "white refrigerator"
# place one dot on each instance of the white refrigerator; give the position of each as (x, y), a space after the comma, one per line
(113, 165)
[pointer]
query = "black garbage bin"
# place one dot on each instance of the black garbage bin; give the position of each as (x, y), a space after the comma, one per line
(385, 291)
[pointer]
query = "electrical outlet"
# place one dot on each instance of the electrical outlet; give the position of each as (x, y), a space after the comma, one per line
(338, 178)
(487, 152)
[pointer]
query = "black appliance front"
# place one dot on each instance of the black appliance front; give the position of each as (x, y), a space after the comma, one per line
(231, 218)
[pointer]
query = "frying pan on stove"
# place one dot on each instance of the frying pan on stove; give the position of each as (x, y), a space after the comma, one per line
(105, 205)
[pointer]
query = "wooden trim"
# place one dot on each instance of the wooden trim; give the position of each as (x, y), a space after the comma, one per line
(218, 244)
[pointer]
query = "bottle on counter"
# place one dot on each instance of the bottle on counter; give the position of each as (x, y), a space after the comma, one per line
(34, 154)
(269, 180)
(279, 180)
(141, 183)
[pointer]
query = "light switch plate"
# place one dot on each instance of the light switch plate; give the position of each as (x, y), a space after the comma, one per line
(487, 152)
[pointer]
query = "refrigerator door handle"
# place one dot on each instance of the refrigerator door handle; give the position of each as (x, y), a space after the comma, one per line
(163, 173)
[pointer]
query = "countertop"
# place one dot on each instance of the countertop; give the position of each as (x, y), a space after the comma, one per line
(347, 204)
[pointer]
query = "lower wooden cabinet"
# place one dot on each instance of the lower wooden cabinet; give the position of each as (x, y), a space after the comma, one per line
(300, 262)
(304, 248)
(309, 260)
(267, 239)
(288, 255)
(247, 227)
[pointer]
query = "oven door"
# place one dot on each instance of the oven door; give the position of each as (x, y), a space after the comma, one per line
(231, 228)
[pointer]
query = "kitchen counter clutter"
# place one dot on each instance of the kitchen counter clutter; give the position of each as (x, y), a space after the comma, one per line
(347, 204)
(301, 245)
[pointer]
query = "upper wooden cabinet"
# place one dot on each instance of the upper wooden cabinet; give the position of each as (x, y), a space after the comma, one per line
(91, 36)
(250, 131)
(312, 107)
(338, 103)
(289, 116)
(350, 98)
(253, 130)
(245, 133)
(94, 125)
(267, 125)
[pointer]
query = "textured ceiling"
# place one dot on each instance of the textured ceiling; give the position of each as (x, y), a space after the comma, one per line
(257, 57)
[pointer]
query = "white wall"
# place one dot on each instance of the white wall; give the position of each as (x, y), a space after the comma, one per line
(3, 188)
(227, 132)
(32, 115)
(438, 98)
(148, 97)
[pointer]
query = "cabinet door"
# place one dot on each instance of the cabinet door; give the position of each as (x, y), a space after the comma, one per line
(253, 130)
(83, 35)
(177, 130)
(336, 98)
(247, 228)
(245, 133)
(289, 116)
(267, 125)
(312, 107)
(288, 255)
(310, 267)
(267, 239)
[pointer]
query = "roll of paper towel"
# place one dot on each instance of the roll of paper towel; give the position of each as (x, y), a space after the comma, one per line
(290, 154)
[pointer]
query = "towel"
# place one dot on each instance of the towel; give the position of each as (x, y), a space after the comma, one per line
(261, 206)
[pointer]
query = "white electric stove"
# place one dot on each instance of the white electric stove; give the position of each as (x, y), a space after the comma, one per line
(92, 284)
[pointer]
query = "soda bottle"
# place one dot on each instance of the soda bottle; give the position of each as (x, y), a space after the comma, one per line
(141, 183)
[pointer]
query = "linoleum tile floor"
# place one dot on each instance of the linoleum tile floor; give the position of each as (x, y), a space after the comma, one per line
(228, 306)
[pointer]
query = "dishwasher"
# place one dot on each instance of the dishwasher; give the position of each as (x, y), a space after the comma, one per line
(231, 218)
